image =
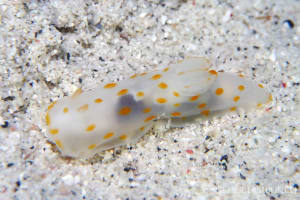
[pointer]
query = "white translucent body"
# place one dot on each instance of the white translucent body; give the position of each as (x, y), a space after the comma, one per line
(117, 113)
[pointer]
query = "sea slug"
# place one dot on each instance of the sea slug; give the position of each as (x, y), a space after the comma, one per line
(118, 113)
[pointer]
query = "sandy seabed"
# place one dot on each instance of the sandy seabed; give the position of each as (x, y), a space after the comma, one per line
(48, 49)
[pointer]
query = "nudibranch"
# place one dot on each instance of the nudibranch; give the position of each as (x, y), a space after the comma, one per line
(118, 113)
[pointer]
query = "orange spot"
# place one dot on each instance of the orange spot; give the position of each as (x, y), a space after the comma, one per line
(90, 127)
(125, 110)
(205, 112)
(110, 85)
(122, 92)
(133, 76)
(233, 108)
(219, 91)
(123, 137)
(161, 100)
(163, 85)
(236, 98)
(180, 73)
(156, 77)
(241, 87)
(59, 143)
(108, 135)
(47, 118)
(202, 105)
(66, 110)
(213, 72)
(149, 118)
(83, 108)
(176, 104)
(176, 114)
(51, 105)
(194, 98)
(176, 94)
(92, 146)
(260, 85)
(187, 86)
(166, 69)
(241, 75)
(146, 110)
(142, 128)
(140, 94)
(54, 131)
(77, 93)
(143, 74)
(183, 118)
(98, 100)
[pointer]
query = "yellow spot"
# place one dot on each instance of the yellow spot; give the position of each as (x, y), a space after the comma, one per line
(143, 74)
(76, 93)
(236, 98)
(110, 85)
(98, 100)
(146, 110)
(202, 105)
(83, 108)
(241, 75)
(161, 100)
(59, 143)
(233, 108)
(51, 105)
(180, 73)
(260, 85)
(205, 112)
(176, 114)
(125, 110)
(194, 98)
(142, 128)
(183, 118)
(92, 146)
(133, 76)
(156, 77)
(47, 118)
(259, 105)
(219, 91)
(176, 94)
(187, 86)
(176, 105)
(54, 131)
(213, 72)
(270, 99)
(123, 137)
(166, 69)
(140, 94)
(122, 92)
(66, 110)
(108, 135)
(90, 127)
(149, 118)
(241, 87)
(163, 85)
